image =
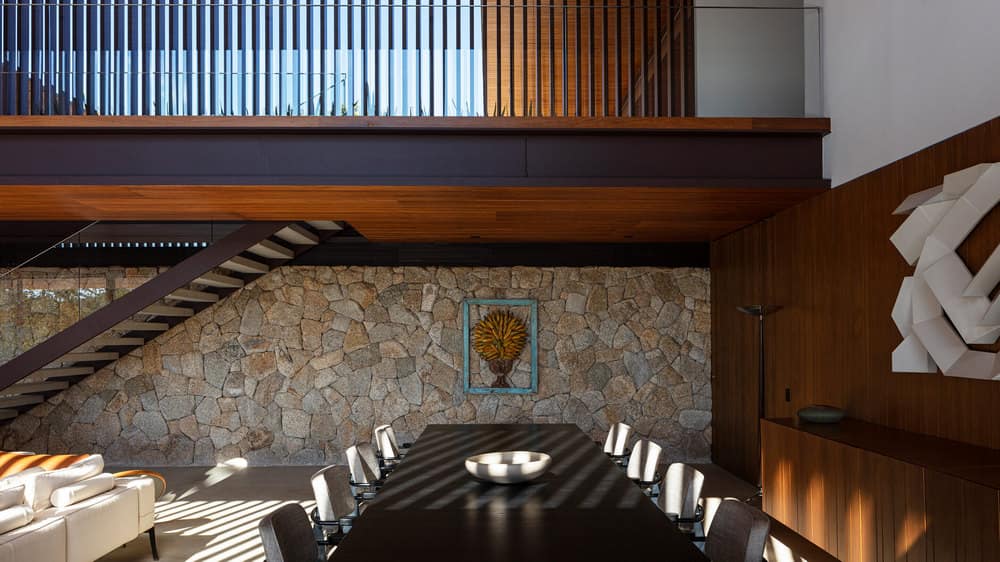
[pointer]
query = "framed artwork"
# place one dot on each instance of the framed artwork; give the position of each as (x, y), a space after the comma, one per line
(501, 346)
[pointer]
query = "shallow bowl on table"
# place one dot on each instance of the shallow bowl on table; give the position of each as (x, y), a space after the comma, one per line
(508, 467)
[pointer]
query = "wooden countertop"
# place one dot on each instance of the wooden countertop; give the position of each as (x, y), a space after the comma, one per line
(968, 462)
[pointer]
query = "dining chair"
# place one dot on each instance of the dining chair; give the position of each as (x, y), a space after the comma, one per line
(616, 443)
(388, 448)
(287, 536)
(335, 509)
(680, 491)
(643, 464)
(366, 476)
(738, 533)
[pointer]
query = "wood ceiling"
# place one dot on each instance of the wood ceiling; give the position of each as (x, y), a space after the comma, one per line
(426, 213)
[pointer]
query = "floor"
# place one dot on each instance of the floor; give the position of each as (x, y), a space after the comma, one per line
(210, 514)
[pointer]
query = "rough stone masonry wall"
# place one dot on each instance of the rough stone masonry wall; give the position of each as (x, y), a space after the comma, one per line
(304, 362)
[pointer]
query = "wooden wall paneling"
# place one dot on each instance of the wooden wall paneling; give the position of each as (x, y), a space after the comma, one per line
(849, 304)
(832, 268)
(737, 265)
(787, 271)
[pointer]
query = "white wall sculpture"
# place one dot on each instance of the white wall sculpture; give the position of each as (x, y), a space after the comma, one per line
(943, 307)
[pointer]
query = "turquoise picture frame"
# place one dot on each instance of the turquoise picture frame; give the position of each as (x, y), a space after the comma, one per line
(532, 304)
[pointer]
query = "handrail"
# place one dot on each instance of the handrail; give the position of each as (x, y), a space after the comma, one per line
(46, 250)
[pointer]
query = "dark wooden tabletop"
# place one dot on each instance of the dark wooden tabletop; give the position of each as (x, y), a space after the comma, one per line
(583, 508)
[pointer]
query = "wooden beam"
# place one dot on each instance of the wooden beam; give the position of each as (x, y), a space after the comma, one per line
(427, 213)
(810, 125)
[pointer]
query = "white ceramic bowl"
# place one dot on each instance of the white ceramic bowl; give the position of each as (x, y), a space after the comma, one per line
(508, 467)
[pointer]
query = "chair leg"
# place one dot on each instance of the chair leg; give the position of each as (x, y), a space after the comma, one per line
(152, 542)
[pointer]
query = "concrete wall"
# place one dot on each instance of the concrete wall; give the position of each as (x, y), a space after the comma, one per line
(901, 75)
(303, 363)
(752, 62)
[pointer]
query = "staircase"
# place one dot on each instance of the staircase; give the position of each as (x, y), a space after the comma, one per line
(130, 321)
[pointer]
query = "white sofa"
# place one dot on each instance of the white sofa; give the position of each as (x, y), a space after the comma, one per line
(84, 530)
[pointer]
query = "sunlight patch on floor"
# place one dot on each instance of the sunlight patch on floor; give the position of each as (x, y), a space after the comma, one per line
(229, 525)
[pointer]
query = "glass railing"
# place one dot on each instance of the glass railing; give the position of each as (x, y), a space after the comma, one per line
(45, 294)
(444, 58)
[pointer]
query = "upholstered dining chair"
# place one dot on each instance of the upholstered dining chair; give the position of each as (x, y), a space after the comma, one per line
(335, 509)
(738, 533)
(680, 491)
(388, 448)
(643, 464)
(616, 443)
(288, 537)
(366, 476)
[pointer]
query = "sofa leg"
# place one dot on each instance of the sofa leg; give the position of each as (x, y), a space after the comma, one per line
(152, 542)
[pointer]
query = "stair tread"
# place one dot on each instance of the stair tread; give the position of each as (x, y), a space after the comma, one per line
(272, 250)
(87, 356)
(116, 342)
(23, 388)
(20, 400)
(136, 326)
(54, 372)
(8, 414)
(325, 225)
(296, 234)
(241, 264)
(167, 310)
(219, 280)
(191, 295)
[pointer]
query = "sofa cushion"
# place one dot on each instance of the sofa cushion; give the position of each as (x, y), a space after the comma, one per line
(15, 517)
(42, 539)
(39, 489)
(24, 480)
(84, 489)
(19, 479)
(12, 496)
(96, 526)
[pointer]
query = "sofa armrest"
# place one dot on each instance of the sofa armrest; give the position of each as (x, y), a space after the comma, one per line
(147, 498)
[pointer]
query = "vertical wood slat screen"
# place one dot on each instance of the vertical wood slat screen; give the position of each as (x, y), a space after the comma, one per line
(343, 57)
(221, 57)
(586, 58)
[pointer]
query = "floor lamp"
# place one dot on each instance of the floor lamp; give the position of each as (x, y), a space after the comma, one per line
(760, 311)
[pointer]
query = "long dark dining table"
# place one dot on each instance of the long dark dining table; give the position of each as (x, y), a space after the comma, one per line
(583, 508)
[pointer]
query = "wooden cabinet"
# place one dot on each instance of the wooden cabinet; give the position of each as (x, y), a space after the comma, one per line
(865, 492)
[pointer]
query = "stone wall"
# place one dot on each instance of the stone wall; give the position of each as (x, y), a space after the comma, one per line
(306, 361)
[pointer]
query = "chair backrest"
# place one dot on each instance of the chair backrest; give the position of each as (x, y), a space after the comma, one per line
(287, 535)
(680, 490)
(644, 461)
(385, 441)
(617, 439)
(363, 464)
(738, 533)
(332, 489)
